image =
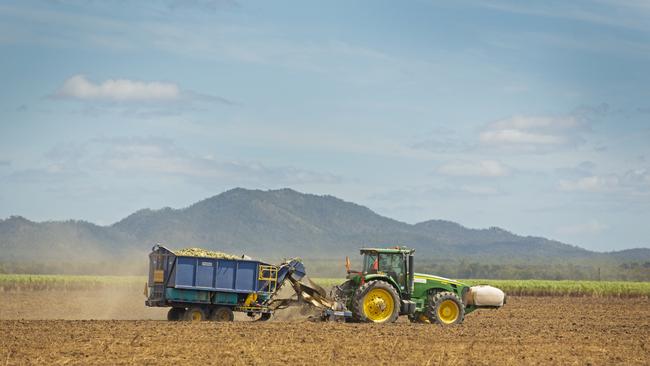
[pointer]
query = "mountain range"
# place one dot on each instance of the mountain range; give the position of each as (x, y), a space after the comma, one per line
(281, 223)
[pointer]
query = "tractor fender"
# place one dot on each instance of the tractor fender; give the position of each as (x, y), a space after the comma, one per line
(434, 290)
(375, 277)
(439, 288)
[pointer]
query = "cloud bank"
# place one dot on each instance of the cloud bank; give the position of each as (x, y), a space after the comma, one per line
(532, 132)
(79, 87)
(483, 168)
(635, 181)
(159, 158)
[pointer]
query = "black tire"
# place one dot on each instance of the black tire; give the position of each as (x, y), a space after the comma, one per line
(175, 314)
(264, 317)
(222, 314)
(445, 308)
(368, 288)
(195, 313)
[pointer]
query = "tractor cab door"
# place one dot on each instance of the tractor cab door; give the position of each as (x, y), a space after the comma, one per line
(391, 264)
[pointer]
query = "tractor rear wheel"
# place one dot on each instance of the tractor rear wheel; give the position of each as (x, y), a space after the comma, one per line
(195, 314)
(222, 314)
(175, 314)
(376, 302)
(445, 308)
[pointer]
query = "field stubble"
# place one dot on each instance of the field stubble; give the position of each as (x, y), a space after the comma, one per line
(528, 330)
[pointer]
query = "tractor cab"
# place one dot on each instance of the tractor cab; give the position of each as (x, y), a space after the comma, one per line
(395, 263)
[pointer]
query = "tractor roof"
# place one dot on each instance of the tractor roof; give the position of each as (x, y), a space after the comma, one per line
(392, 250)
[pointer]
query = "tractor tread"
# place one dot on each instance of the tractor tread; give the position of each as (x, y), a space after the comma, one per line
(435, 298)
(359, 294)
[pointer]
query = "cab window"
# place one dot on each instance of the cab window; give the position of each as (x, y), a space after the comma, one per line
(369, 262)
(393, 265)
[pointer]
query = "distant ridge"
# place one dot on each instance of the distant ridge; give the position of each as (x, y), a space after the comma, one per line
(281, 223)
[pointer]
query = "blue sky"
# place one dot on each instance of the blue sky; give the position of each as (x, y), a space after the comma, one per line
(531, 117)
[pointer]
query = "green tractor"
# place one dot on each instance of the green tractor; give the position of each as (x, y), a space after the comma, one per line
(388, 287)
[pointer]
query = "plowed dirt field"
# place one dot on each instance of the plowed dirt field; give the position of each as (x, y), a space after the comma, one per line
(528, 330)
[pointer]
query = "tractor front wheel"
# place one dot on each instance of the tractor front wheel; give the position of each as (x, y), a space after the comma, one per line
(376, 302)
(445, 308)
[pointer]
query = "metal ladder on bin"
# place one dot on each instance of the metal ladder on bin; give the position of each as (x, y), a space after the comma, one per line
(269, 273)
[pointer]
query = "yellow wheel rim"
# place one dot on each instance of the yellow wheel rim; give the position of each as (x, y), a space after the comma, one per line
(378, 305)
(448, 311)
(196, 316)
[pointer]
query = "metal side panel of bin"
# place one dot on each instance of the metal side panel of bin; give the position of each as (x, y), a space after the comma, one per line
(213, 274)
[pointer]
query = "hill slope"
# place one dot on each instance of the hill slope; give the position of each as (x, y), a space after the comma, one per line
(280, 223)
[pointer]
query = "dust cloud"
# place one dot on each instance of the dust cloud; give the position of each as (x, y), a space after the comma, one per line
(106, 302)
(112, 303)
(117, 304)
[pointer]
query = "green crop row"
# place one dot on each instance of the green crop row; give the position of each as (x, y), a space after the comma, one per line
(22, 282)
(569, 288)
(25, 282)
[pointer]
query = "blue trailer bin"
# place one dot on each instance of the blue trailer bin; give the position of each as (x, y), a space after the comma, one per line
(189, 279)
(214, 274)
(212, 287)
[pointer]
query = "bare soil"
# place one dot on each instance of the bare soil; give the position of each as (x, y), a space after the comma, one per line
(528, 330)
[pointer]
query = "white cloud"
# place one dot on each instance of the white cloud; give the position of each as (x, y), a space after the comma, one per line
(161, 156)
(479, 190)
(511, 136)
(117, 90)
(590, 184)
(635, 181)
(591, 227)
(629, 14)
(158, 158)
(637, 177)
(535, 122)
(483, 168)
(532, 132)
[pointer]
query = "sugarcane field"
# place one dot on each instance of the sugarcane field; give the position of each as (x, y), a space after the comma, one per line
(104, 320)
(112, 327)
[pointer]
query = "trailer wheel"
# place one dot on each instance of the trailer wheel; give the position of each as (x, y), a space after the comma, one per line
(195, 314)
(445, 308)
(175, 314)
(376, 302)
(222, 314)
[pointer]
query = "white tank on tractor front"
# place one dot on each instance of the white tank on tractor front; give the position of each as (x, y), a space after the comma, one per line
(485, 296)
